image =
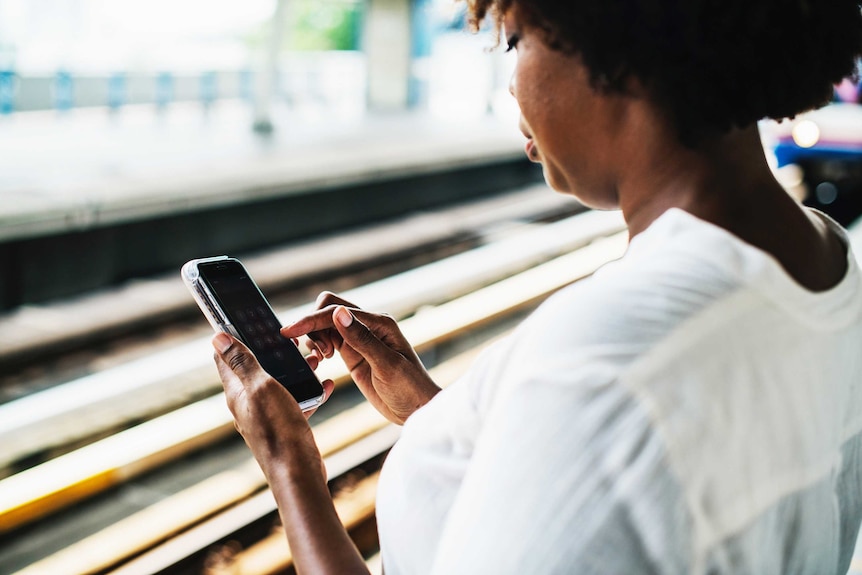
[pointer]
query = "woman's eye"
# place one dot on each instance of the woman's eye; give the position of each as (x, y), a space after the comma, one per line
(512, 42)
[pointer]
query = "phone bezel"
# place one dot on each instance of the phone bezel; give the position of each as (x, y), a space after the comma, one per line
(218, 319)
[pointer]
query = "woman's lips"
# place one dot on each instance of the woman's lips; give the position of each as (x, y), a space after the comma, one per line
(530, 147)
(531, 150)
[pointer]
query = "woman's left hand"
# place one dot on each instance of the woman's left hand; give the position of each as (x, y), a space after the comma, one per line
(276, 430)
(265, 414)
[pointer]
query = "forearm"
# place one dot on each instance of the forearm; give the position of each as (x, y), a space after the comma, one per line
(318, 541)
(283, 444)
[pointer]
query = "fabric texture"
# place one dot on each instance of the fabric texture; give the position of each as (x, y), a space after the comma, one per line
(689, 409)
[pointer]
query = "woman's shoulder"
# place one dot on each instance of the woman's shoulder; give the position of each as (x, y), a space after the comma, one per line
(592, 331)
(671, 271)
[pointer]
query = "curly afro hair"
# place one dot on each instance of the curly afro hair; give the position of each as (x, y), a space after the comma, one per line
(711, 64)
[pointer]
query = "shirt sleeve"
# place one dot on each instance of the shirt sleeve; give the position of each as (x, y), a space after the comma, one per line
(567, 477)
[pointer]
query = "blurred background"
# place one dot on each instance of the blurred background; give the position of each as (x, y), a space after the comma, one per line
(65, 54)
(105, 105)
(365, 146)
(121, 112)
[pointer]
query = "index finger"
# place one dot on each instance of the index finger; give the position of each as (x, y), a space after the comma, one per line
(328, 299)
(316, 321)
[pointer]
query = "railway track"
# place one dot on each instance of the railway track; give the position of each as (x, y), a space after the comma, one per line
(34, 333)
(43, 423)
(148, 417)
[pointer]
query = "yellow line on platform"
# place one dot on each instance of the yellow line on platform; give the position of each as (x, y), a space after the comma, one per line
(65, 480)
(49, 502)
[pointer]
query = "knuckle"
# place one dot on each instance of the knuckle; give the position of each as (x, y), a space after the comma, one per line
(325, 298)
(364, 335)
(239, 361)
(385, 322)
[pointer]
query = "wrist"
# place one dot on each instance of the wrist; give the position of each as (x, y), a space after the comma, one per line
(420, 394)
(291, 482)
(289, 462)
(428, 391)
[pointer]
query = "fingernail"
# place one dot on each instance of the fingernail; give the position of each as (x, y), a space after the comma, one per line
(343, 316)
(222, 342)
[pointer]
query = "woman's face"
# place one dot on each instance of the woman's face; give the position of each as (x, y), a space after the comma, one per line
(569, 126)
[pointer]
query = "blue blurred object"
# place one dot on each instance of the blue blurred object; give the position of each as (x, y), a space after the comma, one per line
(164, 89)
(422, 38)
(458, 22)
(208, 87)
(116, 90)
(7, 91)
(788, 152)
(64, 90)
(827, 145)
(246, 80)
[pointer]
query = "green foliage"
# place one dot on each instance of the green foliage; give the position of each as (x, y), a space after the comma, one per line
(329, 25)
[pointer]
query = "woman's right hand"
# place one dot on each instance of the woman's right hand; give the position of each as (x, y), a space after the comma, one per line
(382, 363)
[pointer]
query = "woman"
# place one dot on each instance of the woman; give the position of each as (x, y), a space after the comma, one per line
(695, 407)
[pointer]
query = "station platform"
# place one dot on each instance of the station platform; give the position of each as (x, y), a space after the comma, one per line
(67, 171)
(90, 167)
(92, 198)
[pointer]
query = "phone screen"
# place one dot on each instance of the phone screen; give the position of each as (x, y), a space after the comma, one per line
(253, 319)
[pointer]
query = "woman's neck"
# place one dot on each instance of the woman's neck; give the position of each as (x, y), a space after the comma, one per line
(716, 181)
(727, 182)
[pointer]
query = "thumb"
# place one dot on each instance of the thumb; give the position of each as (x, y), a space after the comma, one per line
(360, 338)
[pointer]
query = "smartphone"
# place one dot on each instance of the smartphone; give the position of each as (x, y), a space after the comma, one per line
(234, 304)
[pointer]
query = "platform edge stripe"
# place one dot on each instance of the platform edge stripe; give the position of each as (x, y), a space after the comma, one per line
(49, 418)
(23, 512)
(32, 493)
(88, 555)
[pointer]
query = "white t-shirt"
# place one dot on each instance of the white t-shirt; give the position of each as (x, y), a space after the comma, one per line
(688, 409)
